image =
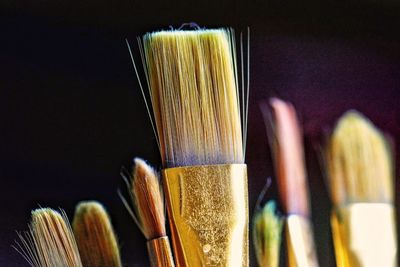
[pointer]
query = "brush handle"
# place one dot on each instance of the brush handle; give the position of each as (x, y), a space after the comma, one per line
(160, 252)
(364, 235)
(208, 213)
(300, 242)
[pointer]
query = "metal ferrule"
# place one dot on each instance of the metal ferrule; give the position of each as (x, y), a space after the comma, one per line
(160, 252)
(208, 213)
(300, 242)
(364, 235)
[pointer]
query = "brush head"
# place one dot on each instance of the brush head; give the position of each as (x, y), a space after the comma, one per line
(359, 162)
(95, 236)
(267, 235)
(148, 200)
(50, 241)
(193, 89)
(288, 154)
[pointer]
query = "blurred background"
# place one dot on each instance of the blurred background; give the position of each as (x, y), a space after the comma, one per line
(72, 114)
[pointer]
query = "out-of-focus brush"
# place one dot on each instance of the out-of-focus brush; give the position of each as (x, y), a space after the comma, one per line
(149, 214)
(359, 163)
(95, 236)
(194, 94)
(288, 154)
(267, 235)
(49, 241)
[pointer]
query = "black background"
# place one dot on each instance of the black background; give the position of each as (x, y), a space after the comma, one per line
(72, 113)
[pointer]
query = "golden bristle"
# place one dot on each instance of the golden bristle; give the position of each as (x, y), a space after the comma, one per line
(50, 241)
(95, 236)
(289, 158)
(148, 200)
(267, 235)
(193, 89)
(359, 162)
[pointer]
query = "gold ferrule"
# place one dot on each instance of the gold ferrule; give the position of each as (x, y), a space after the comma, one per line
(160, 252)
(208, 213)
(300, 242)
(364, 235)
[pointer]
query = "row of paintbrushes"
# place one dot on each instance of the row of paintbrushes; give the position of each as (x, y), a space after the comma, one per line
(199, 109)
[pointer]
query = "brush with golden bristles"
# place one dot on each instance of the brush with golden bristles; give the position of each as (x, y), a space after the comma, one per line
(267, 235)
(49, 241)
(95, 236)
(193, 88)
(359, 163)
(149, 215)
(288, 154)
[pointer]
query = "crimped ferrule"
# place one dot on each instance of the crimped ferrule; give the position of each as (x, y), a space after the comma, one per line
(208, 213)
(364, 235)
(300, 242)
(160, 252)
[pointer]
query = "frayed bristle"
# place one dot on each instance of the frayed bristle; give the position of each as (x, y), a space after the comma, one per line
(267, 235)
(95, 236)
(288, 154)
(194, 93)
(359, 162)
(49, 241)
(148, 200)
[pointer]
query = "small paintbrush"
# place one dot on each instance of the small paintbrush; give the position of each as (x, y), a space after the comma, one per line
(360, 175)
(288, 154)
(95, 236)
(49, 241)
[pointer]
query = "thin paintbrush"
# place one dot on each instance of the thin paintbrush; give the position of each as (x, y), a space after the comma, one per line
(193, 88)
(359, 162)
(49, 241)
(149, 214)
(95, 236)
(288, 154)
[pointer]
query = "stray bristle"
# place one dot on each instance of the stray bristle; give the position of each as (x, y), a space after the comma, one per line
(288, 154)
(95, 236)
(267, 235)
(194, 94)
(49, 241)
(148, 200)
(359, 162)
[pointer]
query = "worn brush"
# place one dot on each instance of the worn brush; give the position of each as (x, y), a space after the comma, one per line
(194, 91)
(360, 173)
(267, 235)
(95, 236)
(288, 154)
(49, 241)
(149, 213)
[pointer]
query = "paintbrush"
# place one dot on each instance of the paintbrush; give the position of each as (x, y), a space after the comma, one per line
(95, 236)
(359, 163)
(193, 89)
(149, 215)
(267, 235)
(49, 241)
(288, 154)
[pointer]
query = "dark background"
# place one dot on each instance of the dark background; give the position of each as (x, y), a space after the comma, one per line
(72, 114)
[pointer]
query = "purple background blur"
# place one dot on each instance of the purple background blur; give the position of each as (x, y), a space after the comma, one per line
(72, 113)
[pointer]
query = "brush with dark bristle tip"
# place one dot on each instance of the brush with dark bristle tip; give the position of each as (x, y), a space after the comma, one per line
(359, 162)
(288, 153)
(49, 241)
(150, 212)
(95, 236)
(267, 235)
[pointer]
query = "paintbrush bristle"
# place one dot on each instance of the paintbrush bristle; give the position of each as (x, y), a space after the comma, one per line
(95, 236)
(148, 200)
(267, 235)
(49, 241)
(359, 162)
(288, 154)
(194, 94)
